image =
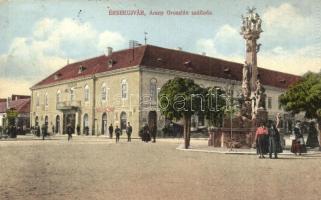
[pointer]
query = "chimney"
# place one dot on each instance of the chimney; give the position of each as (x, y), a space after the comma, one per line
(179, 48)
(109, 51)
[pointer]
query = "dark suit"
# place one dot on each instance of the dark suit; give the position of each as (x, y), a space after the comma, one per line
(117, 132)
(129, 131)
(111, 130)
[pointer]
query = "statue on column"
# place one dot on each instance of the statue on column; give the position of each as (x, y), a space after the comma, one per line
(259, 98)
(244, 99)
(246, 89)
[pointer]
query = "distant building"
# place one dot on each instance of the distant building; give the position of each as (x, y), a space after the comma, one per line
(122, 86)
(21, 103)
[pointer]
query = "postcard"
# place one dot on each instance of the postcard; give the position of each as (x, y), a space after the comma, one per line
(176, 99)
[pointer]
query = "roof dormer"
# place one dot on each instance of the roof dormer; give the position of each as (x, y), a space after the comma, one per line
(81, 69)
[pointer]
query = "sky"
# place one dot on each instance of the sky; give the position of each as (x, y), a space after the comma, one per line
(38, 37)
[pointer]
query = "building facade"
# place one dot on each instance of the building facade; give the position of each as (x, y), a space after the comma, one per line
(122, 86)
(21, 104)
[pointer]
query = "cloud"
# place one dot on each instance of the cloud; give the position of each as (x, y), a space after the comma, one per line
(286, 25)
(297, 61)
(288, 42)
(226, 42)
(14, 86)
(112, 39)
(51, 43)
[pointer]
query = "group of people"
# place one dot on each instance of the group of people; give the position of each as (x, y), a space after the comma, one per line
(268, 140)
(118, 132)
(147, 133)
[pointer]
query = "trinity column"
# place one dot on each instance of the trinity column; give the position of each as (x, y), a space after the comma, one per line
(253, 92)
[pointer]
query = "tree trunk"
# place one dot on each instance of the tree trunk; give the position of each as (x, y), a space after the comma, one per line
(188, 131)
(319, 127)
(187, 128)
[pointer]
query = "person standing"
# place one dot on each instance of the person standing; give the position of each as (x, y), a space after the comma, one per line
(111, 130)
(117, 132)
(153, 131)
(312, 140)
(44, 130)
(272, 131)
(260, 134)
(53, 129)
(69, 132)
(146, 133)
(129, 130)
(298, 145)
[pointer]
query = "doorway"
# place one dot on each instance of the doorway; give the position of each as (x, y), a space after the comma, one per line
(152, 120)
(69, 118)
(104, 124)
(57, 130)
(123, 120)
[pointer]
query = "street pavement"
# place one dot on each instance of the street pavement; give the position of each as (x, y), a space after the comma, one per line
(98, 168)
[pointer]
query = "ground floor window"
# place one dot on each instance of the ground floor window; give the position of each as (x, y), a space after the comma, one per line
(86, 124)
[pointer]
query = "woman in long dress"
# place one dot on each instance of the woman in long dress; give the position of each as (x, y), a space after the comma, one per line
(298, 145)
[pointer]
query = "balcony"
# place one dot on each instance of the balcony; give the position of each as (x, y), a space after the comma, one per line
(68, 105)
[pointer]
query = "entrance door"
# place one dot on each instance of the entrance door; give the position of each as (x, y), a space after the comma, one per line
(69, 118)
(57, 124)
(104, 124)
(123, 120)
(152, 120)
(46, 120)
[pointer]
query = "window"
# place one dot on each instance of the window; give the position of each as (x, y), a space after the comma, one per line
(279, 104)
(153, 89)
(46, 99)
(86, 92)
(103, 92)
(58, 99)
(269, 102)
(124, 89)
(37, 100)
(72, 94)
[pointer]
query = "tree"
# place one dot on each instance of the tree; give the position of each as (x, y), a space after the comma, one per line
(11, 114)
(179, 99)
(305, 96)
(215, 106)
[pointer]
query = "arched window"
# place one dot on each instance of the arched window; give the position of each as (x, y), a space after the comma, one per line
(124, 89)
(86, 93)
(103, 92)
(58, 97)
(72, 94)
(46, 99)
(153, 89)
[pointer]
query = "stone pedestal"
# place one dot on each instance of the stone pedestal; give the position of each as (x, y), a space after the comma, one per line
(239, 138)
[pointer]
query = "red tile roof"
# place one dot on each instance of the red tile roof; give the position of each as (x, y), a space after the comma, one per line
(21, 105)
(157, 57)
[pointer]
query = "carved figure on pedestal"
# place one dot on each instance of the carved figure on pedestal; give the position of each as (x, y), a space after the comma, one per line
(260, 95)
(246, 90)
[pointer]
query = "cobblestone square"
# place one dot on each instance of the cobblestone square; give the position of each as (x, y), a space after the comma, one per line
(100, 169)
